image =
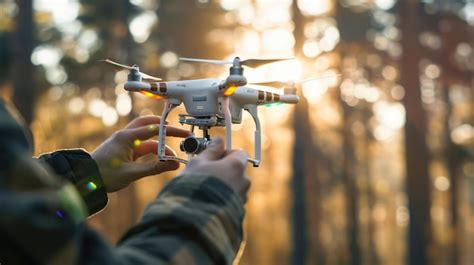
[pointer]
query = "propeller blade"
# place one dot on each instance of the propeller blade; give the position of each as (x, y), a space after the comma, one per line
(205, 61)
(274, 84)
(254, 63)
(317, 78)
(281, 84)
(119, 66)
(147, 77)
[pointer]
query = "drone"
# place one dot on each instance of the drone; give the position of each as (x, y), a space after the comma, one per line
(210, 102)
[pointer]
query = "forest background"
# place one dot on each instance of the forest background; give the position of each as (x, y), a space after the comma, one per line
(373, 166)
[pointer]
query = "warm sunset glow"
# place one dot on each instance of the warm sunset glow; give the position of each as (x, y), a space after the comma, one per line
(334, 181)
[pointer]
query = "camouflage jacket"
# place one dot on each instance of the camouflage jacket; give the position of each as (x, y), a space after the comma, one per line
(43, 203)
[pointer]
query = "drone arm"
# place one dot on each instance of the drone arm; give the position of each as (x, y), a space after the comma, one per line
(252, 109)
(228, 124)
(161, 141)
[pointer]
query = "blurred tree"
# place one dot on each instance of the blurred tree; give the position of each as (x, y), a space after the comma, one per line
(25, 91)
(302, 134)
(453, 31)
(416, 153)
(349, 182)
(353, 34)
(306, 184)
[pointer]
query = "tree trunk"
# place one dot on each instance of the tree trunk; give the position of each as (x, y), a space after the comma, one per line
(300, 125)
(24, 89)
(418, 180)
(373, 258)
(350, 187)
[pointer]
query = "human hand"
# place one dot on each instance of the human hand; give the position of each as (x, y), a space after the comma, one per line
(116, 156)
(226, 166)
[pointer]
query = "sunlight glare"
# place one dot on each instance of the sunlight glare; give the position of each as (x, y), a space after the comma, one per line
(463, 134)
(397, 92)
(313, 8)
(441, 183)
(250, 43)
(46, 55)
(120, 77)
(123, 104)
(390, 115)
(385, 4)
(76, 105)
(63, 11)
(246, 14)
(432, 71)
(314, 90)
(278, 40)
(286, 70)
(109, 116)
(142, 25)
(56, 75)
(311, 48)
(96, 107)
(169, 59)
(230, 4)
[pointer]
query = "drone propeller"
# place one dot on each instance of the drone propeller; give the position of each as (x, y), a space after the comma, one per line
(144, 76)
(252, 63)
(282, 84)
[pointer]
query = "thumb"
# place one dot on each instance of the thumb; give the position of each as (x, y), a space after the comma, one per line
(214, 151)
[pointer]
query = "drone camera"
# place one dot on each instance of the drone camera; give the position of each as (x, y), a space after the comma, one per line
(194, 145)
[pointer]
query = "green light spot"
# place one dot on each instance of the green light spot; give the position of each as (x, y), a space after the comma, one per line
(273, 104)
(91, 186)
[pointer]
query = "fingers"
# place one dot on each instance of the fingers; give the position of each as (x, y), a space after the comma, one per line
(149, 147)
(214, 151)
(146, 132)
(141, 170)
(236, 158)
(143, 121)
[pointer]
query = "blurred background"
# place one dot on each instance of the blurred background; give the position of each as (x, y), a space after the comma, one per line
(373, 166)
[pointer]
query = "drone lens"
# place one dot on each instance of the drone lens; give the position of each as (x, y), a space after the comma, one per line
(191, 145)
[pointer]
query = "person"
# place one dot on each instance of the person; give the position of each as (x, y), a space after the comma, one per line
(196, 218)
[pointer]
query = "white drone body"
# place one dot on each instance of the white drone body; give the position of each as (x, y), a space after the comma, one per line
(209, 103)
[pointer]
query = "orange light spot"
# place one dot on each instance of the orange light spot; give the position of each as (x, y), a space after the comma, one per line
(230, 90)
(150, 95)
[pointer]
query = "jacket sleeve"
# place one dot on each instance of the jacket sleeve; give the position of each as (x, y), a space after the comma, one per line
(77, 166)
(195, 220)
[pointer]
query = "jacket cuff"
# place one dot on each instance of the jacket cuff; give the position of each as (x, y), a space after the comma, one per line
(77, 166)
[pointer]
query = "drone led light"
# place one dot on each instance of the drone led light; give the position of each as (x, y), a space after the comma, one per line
(150, 95)
(230, 90)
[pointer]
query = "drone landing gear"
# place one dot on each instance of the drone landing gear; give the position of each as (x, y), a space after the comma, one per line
(193, 145)
(161, 138)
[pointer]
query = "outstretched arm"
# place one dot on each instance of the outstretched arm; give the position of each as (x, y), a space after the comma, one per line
(113, 166)
(196, 219)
